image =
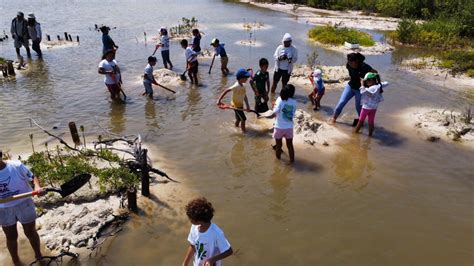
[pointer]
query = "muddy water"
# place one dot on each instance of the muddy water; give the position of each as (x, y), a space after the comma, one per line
(394, 199)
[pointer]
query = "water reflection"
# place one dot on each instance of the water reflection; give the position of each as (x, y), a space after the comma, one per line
(193, 98)
(352, 165)
(117, 118)
(280, 182)
(150, 114)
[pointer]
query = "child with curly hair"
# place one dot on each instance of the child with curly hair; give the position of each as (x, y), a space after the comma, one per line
(208, 244)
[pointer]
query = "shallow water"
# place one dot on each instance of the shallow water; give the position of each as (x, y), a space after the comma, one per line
(395, 199)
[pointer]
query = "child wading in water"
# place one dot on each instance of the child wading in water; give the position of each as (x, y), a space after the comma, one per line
(207, 243)
(165, 48)
(196, 45)
(148, 78)
(238, 98)
(108, 67)
(284, 110)
(318, 89)
(220, 51)
(371, 92)
(260, 83)
(191, 61)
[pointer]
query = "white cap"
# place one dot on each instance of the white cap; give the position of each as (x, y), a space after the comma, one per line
(317, 73)
(31, 15)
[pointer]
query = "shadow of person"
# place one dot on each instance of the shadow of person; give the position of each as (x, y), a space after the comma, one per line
(280, 182)
(387, 137)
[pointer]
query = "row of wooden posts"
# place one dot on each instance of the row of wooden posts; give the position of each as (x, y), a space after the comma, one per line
(67, 37)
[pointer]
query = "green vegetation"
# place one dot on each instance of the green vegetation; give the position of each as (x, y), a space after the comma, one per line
(337, 36)
(459, 61)
(185, 27)
(58, 166)
(2, 61)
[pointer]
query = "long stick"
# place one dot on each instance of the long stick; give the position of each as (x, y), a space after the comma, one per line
(212, 63)
(166, 88)
(156, 48)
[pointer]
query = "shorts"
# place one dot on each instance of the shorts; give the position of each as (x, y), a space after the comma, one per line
(281, 74)
(193, 67)
(20, 43)
(224, 61)
(240, 115)
(23, 212)
(113, 88)
(320, 92)
(279, 133)
(148, 88)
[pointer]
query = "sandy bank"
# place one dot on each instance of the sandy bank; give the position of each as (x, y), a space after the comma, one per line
(58, 44)
(428, 68)
(377, 49)
(332, 76)
(350, 19)
(434, 124)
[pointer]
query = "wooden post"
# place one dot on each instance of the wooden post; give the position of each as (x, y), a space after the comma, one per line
(132, 199)
(74, 134)
(65, 36)
(59, 38)
(10, 68)
(77, 38)
(145, 175)
(70, 38)
(48, 37)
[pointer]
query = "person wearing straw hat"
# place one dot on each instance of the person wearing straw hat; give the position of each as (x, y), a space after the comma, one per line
(19, 31)
(34, 30)
(15, 179)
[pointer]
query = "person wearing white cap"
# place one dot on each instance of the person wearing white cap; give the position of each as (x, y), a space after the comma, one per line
(285, 56)
(19, 31)
(34, 29)
(318, 88)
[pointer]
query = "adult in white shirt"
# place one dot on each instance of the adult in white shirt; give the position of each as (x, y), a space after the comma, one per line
(108, 67)
(15, 179)
(34, 30)
(285, 56)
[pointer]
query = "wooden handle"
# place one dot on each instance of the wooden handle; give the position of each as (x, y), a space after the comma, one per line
(20, 196)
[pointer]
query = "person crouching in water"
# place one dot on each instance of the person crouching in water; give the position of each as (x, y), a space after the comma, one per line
(284, 110)
(238, 98)
(192, 63)
(108, 67)
(371, 96)
(318, 89)
(220, 51)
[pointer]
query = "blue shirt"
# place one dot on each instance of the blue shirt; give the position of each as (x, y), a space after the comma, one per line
(220, 50)
(107, 42)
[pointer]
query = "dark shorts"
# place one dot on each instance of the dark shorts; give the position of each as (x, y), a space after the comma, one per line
(113, 88)
(240, 115)
(281, 74)
(193, 67)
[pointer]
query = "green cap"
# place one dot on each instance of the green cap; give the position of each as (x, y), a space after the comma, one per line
(370, 75)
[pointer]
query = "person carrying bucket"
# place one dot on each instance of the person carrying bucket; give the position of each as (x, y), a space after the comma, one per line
(285, 57)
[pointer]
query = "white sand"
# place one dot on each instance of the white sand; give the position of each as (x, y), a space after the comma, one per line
(350, 19)
(428, 69)
(333, 76)
(58, 44)
(433, 124)
(378, 49)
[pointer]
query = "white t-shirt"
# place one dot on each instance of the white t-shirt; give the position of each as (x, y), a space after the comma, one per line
(149, 74)
(284, 111)
(109, 66)
(207, 244)
(290, 52)
(14, 180)
(165, 42)
(188, 53)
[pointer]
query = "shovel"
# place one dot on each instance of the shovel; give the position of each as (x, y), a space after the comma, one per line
(65, 190)
(183, 76)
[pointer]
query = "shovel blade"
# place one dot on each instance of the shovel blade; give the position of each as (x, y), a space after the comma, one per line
(74, 184)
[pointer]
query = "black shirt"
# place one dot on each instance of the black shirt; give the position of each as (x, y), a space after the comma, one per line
(356, 74)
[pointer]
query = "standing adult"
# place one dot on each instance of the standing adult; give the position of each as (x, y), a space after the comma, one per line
(15, 179)
(34, 30)
(107, 42)
(285, 56)
(19, 31)
(357, 70)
